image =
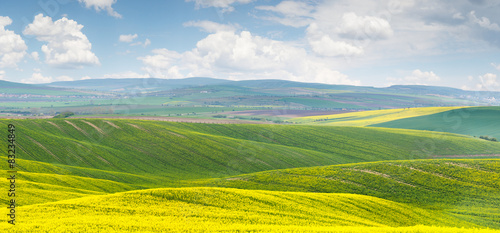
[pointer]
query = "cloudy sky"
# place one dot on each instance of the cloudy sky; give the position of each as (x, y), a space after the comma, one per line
(376, 43)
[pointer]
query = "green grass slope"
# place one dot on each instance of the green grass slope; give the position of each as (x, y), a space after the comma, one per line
(221, 209)
(474, 121)
(466, 189)
(81, 157)
(189, 151)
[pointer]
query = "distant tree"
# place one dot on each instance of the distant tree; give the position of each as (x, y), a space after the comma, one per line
(488, 138)
(65, 114)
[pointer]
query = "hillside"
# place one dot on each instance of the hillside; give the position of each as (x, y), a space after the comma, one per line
(121, 155)
(367, 118)
(183, 150)
(220, 209)
(103, 173)
(476, 121)
(466, 189)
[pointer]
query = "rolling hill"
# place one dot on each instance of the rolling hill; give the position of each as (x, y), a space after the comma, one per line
(147, 176)
(475, 121)
(466, 189)
(223, 210)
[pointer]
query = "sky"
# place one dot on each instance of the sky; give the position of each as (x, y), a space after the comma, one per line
(350, 42)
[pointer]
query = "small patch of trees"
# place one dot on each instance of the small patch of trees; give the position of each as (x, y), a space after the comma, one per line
(488, 138)
(65, 114)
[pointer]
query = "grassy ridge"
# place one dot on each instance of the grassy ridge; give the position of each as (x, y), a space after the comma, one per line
(218, 209)
(100, 161)
(469, 189)
(189, 151)
(469, 121)
(369, 117)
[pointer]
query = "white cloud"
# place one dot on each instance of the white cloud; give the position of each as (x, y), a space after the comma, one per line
(37, 78)
(144, 44)
(483, 22)
(295, 14)
(328, 47)
(67, 46)
(86, 77)
(128, 74)
(12, 46)
(323, 45)
(458, 15)
(209, 26)
(99, 5)
(486, 82)
(357, 27)
(224, 5)
(64, 78)
(35, 56)
(2, 75)
(489, 80)
(147, 42)
(242, 56)
(127, 38)
(418, 76)
(496, 66)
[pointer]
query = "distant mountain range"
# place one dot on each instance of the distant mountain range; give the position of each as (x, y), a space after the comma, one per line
(218, 89)
(155, 84)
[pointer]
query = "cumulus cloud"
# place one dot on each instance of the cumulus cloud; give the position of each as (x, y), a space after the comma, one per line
(2, 75)
(496, 66)
(64, 78)
(12, 46)
(291, 13)
(127, 74)
(100, 5)
(417, 77)
(209, 26)
(66, 46)
(489, 80)
(127, 38)
(357, 27)
(323, 45)
(37, 78)
(483, 22)
(224, 5)
(241, 56)
(35, 56)
(486, 82)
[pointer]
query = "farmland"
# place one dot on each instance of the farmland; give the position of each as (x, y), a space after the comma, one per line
(102, 173)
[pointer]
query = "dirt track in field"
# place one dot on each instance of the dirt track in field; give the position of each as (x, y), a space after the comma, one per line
(283, 113)
(174, 119)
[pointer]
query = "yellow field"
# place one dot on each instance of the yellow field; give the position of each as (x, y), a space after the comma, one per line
(370, 117)
(223, 209)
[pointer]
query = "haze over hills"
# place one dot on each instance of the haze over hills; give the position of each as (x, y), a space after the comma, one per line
(155, 84)
(207, 98)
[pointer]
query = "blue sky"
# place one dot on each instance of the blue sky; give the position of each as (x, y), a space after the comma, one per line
(376, 43)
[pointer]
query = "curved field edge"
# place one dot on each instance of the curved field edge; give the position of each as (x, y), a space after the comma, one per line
(476, 121)
(217, 209)
(366, 118)
(466, 188)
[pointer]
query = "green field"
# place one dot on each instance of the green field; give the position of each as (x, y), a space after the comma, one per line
(122, 175)
(475, 121)
(366, 118)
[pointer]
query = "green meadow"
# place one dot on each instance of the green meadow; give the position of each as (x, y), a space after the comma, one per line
(123, 175)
